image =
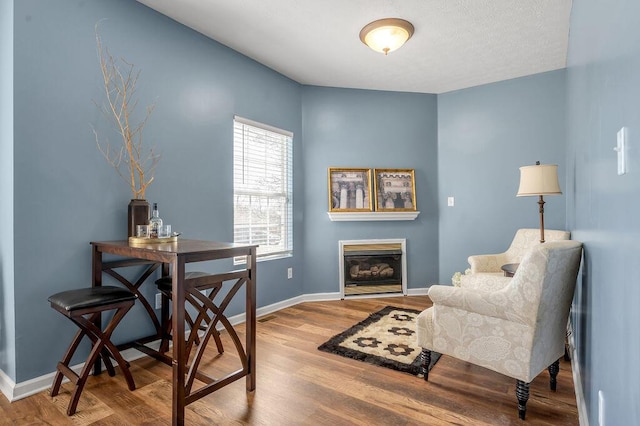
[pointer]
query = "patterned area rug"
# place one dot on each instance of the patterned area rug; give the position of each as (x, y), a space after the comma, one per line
(386, 338)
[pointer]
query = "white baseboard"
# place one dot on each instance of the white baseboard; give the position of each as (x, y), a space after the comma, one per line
(27, 388)
(6, 385)
(583, 416)
(38, 384)
(15, 391)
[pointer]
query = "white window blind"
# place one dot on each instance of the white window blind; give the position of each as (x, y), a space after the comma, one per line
(263, 187)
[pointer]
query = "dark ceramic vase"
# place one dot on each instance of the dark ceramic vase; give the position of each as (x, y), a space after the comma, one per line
(138, 214)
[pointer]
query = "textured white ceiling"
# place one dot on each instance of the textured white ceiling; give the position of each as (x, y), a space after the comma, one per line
(456, 44)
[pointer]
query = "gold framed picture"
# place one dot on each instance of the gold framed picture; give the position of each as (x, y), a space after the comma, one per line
(395, 190)
(349, 190)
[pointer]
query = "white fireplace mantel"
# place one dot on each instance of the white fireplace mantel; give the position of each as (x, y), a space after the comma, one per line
(371, 216)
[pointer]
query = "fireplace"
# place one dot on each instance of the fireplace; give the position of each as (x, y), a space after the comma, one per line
(372, 266)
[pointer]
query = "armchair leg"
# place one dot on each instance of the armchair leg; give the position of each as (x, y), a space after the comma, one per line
(522, 393)
(553, 373)
(426, 361)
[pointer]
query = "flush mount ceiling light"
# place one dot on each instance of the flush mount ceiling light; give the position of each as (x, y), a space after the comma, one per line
(386, 35)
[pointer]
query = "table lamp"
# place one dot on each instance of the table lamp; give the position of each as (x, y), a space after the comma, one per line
(541, 179)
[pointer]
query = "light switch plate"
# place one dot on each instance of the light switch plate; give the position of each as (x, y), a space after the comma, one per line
(451, 201)
(621, 149)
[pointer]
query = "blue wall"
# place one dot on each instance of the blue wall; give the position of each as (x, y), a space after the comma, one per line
(485, 134)
(7, 309)
(602, 211)
(370, 129)
(466, 144)
(67, 195)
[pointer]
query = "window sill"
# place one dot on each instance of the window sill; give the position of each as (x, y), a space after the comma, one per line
(263, 258)
(371, 216)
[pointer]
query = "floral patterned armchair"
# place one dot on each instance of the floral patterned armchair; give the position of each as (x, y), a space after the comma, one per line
(518, 330)
(485, 267)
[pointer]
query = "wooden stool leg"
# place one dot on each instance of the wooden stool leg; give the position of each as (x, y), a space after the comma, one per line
(107, 345)
(106, 359)
(206, 312)
(82, 378)
(193, 330)
(167, 330)
(104, 354)
(214, 307)
(102, 348)
(216, 337)
(57, 380)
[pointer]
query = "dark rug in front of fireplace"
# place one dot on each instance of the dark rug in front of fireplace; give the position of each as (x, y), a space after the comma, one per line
(386, 338)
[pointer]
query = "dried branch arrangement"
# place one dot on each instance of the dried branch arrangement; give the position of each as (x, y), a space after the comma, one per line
(133, 162)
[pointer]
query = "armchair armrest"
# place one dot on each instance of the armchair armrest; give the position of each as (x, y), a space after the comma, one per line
(492, 304)
(487, 262)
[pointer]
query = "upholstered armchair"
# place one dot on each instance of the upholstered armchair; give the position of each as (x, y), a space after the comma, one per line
(485, 266)
(518, 330)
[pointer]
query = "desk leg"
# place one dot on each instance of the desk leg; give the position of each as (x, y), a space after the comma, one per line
(96, 281)
(179, 347)
(164, 316)
(251, 321)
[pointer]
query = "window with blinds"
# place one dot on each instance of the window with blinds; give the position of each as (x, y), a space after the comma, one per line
(263, 187)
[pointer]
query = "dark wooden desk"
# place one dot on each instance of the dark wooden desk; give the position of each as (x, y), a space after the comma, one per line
(173, 257)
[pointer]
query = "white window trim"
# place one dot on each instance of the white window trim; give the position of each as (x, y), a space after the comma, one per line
(262, 126)
(289, 195)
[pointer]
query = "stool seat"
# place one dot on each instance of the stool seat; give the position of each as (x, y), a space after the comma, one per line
(164, 283)
(84, 307)
(91, 297)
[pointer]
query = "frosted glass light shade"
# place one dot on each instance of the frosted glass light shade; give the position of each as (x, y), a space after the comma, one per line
(540, 179)
(386, 35)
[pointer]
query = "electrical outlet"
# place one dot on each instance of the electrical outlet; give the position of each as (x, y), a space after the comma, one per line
(158, 300)
(289, 273)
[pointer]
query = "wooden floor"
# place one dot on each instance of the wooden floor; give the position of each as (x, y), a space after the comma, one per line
(299, 385)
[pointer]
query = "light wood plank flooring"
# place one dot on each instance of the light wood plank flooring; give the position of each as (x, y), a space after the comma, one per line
(299, 385)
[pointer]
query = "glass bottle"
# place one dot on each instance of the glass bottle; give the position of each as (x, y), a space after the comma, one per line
(155, 222)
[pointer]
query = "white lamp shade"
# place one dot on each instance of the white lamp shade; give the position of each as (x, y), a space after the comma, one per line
(386, 35)
(540, 179)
